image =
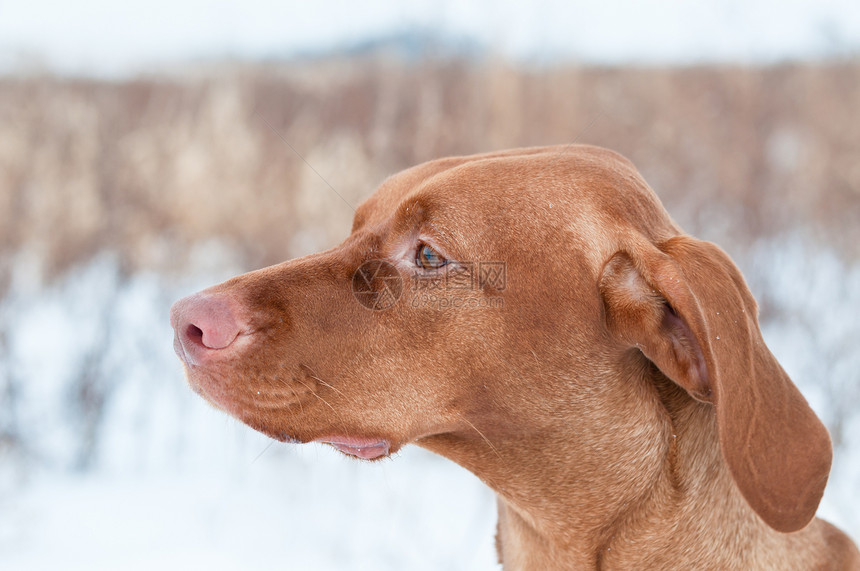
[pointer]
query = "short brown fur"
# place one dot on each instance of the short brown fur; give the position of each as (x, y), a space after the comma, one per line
(616, 393)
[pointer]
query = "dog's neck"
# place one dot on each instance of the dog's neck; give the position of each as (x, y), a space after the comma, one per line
(571, 497)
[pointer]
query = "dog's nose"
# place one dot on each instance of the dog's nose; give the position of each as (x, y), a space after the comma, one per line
(204, 324)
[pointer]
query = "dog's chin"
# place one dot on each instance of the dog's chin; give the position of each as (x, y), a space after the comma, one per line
(273, 432)
(364, 448)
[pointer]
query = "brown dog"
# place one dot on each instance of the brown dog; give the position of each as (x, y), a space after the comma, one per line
(537, 317)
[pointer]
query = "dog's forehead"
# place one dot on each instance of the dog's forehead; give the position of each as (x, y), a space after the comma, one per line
(587, 190)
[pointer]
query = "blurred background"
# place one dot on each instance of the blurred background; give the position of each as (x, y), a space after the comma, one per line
(149, 149)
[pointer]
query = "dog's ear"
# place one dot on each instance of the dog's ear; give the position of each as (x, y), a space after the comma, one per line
(686, 306)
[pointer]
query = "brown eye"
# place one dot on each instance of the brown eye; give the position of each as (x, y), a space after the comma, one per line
(428, 258)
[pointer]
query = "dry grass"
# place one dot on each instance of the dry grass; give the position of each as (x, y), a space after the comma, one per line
(150, 167)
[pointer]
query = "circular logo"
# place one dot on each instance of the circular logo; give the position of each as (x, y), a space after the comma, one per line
(377, 285)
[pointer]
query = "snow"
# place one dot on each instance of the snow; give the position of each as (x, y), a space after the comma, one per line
(293, 508)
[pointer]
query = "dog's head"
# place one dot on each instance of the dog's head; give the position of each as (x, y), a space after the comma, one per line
(497, 296)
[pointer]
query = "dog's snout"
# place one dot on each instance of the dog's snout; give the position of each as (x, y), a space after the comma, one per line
(204, 324)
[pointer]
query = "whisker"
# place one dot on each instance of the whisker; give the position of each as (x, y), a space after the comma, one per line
(325, 402)
(481, 434)
(269, 445)
(298, 399)
(322, 382)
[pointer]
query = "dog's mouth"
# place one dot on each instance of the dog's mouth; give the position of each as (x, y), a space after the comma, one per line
(364, 448)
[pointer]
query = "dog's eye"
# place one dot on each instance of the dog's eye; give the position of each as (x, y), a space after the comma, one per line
(428, 258)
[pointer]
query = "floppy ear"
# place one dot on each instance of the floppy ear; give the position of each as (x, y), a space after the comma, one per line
(685, 305)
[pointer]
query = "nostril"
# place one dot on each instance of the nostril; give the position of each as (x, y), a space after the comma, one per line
(194, 333)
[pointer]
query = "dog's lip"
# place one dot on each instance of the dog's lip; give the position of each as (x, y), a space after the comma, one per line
(365, 448)
(180, 349)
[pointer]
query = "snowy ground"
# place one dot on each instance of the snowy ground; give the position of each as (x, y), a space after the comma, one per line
(305, 508)
(173, 484)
